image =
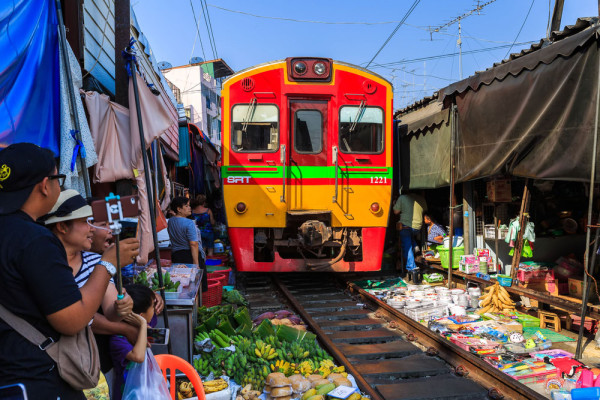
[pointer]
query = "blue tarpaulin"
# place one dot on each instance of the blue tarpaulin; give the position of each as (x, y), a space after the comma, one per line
(29, 73)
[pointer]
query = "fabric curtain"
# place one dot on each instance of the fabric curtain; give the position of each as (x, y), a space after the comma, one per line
(117, 140)
(184, 147)
(29, 74)
(68, 159)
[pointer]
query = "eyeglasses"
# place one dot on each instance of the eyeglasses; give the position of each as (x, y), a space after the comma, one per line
(60, 177)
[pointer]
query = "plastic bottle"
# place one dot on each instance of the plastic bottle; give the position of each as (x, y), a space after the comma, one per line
(591, 393)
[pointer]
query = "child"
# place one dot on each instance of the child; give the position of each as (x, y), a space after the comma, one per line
(121, 351)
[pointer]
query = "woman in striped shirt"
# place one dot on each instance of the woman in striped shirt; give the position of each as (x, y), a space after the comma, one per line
(68, 220)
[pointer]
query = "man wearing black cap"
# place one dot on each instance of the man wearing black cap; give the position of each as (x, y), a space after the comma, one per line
(36, 282)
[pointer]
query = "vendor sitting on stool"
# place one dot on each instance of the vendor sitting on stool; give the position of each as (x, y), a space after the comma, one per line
(435, 232)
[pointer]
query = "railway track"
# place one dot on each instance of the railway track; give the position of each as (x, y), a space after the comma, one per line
(390, 355)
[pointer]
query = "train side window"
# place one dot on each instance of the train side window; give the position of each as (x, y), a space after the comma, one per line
(255, 128)
(308, 131)
(361, 129)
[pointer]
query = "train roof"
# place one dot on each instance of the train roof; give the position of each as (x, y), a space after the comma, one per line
(334, 62)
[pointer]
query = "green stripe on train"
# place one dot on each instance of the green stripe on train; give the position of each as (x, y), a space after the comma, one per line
(307, 172)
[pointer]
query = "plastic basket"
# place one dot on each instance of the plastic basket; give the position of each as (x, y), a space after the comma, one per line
(218, 276)
(504, 280)
(212, 297)
(528, 321)
(456, 253)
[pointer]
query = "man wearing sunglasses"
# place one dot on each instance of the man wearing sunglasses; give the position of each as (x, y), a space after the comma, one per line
(36, 282)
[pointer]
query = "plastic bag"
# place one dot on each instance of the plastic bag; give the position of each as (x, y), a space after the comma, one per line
(146, 381)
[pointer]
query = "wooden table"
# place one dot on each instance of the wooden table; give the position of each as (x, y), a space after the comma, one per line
(572, 305)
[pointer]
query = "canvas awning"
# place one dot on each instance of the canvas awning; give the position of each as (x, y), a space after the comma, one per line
(530, 116)
(424, 146)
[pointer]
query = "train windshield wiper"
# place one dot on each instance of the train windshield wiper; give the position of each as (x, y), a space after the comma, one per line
(358, 116)
(249, 115)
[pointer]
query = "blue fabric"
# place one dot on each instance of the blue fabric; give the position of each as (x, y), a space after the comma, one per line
(184, 147)
(408, 243)
(29, 74)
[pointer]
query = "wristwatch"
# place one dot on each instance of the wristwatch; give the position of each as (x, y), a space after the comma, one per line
(112, 270)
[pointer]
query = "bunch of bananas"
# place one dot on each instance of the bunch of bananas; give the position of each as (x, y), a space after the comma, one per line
(285, 367)
(306, 368)
(185, 390)
(214, 386)
(264, 351)
(496, 299)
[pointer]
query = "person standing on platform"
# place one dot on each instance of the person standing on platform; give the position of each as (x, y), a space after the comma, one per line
(410, 207)
(205, 221)
(186, 243)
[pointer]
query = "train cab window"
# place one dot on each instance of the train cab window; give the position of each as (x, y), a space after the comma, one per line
(308, 131)
(255, 128)
(361, 129)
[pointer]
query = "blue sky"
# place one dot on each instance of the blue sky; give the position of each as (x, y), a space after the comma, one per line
(244, 40)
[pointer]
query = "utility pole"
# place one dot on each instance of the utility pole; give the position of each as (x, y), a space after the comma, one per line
(459, 43)
(557, 15)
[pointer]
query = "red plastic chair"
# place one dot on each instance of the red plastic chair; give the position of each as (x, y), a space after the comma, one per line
(174, 363)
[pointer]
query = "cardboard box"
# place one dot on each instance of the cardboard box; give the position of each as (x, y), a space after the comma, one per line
(546, 287)
(576, 289)
(510, 326)
(499, 191)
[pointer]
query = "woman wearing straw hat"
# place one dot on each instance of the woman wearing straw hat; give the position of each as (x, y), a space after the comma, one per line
(68, 220)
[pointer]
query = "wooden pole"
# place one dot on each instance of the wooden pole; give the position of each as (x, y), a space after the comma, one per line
(557, 15)
(452, 201)
(519, 244)
(496, 241)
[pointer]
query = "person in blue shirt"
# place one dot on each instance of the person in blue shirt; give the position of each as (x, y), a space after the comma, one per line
(435, 232)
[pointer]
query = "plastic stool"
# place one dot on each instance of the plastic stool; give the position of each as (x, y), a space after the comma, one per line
(174, 363)
(547, 317)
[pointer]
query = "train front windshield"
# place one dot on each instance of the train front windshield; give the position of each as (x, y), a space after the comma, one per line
(361, 129)
(255, 128)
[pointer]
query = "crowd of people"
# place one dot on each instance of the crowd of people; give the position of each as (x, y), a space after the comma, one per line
(56, 279)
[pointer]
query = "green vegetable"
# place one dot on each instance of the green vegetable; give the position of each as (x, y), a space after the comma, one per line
(265, 329)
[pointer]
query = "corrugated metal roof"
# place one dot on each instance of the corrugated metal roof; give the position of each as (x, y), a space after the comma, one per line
(99, 41)
(561, 44)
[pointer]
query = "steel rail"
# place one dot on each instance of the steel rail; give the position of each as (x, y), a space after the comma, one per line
(328, 343)
(500, 385)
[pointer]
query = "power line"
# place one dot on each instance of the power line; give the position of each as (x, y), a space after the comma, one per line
(401, 62)
(410, 10)
(300, 20)
(522, 25)
(212, 32)
(198, 30)
(208, 29)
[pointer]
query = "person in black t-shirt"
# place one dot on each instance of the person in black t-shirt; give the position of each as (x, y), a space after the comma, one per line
(36, 282)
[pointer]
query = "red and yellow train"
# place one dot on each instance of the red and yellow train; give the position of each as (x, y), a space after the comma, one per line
(307, 165)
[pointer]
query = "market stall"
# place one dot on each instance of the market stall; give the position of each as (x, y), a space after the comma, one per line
(485, 322)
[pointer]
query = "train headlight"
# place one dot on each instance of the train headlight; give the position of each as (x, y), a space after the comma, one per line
(300, 67)
(375, 208)
(240, 207)
(319, 68)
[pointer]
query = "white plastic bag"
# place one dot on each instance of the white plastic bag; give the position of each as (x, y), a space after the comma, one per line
(146, 381)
